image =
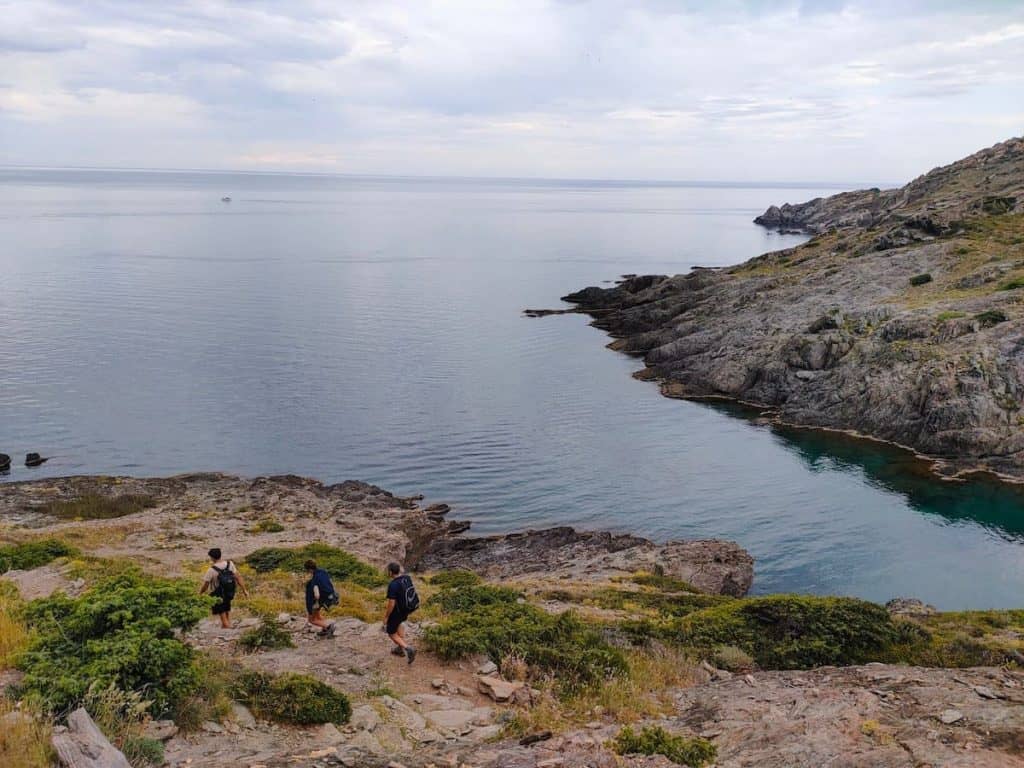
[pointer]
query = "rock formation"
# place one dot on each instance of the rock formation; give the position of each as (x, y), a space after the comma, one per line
(901, 319)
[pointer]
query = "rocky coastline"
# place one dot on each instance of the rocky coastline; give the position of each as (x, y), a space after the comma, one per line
(475, 713)
(899, 319)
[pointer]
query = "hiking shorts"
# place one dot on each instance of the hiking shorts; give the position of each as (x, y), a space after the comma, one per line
(221, 606)
(395, 620)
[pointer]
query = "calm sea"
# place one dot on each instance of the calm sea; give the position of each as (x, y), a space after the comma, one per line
(371, 328)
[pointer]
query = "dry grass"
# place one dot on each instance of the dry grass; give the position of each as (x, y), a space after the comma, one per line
(89, 537)
(281, 592)
(95, 506)
(24, 738)
(13, 632)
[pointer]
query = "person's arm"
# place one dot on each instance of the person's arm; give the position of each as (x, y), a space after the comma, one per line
(205, 585)
(241, 582)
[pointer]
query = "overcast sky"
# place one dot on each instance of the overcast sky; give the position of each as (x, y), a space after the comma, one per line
(662, 89)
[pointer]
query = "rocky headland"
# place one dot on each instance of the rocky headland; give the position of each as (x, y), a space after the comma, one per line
(900, 319)
(537, 649)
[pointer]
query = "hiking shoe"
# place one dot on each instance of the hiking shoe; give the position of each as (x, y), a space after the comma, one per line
(329, 632)
(398, 651)
(410, 652)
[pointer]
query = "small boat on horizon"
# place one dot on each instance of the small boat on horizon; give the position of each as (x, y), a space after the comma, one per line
(225, 199)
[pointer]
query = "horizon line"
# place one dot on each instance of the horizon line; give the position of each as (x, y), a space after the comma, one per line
(462, 177)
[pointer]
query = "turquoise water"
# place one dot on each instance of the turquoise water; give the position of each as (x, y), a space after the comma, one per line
(371, 328)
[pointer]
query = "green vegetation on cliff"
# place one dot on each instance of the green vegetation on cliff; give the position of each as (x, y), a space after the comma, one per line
(339, 563)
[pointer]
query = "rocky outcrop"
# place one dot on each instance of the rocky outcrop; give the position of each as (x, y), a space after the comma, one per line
(714, 566)
(834, 333)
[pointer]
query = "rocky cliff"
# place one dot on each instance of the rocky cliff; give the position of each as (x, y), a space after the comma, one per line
(900, 319)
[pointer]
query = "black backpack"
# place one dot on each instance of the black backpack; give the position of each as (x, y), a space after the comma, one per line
(226, 582)
(410, 599)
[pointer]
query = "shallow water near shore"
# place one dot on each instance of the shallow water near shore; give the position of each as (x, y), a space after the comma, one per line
(371, 328)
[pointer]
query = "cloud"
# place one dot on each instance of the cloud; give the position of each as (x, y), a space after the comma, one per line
(659, 88)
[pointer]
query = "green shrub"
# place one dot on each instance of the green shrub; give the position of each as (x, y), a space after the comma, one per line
(991, 317)
(1012, 285)
(949, 315)
(470, 597)
(996, 205)
(266, 636)
(693, 752)
(266, 525)
(455, 579)
(120, 632)
(794, 631)
(562, 646)
(337, 562)
(95, 506)
(921, 279)
(141, 750)
(732, 658)
(33, 554)
(291, 698)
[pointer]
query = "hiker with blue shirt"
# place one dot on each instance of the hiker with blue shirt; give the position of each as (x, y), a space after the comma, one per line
(402, 601)
(320, 594)
(221, 580)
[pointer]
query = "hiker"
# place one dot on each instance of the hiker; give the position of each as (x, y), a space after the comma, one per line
(402, 600)
(220, 580)
(320, 594)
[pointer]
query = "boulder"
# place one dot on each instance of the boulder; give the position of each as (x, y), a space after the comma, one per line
(498, 689)
(82, 745)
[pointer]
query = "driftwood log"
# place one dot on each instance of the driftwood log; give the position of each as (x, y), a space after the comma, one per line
(83, 745)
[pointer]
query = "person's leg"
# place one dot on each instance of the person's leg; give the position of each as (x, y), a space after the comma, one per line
(225, 620)
(317, 619)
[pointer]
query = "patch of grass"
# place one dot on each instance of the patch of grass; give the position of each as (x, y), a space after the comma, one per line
(337, 562)
(13, 632)
(662, 582)
(733, 659)
(210, 700)
(694, 752)
(268, 635)
(24, 737)
(293, 699)
(950, 315)
(95, 506)
(122, 631)
(991, 317)
(266, 525)
(33, 554)
(143, 751)
(794, 631)
(651, 603)
(1012, 285)
(965, 639)
(497, 622)
(921, 279)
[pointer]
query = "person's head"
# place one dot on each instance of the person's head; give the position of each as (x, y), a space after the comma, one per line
(310, 565)
(394, 569)
(214, 554)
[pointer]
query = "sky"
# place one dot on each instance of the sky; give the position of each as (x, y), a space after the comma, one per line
(643, 89)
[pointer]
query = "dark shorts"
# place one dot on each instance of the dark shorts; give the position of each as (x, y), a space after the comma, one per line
(221, 606)
(395, 620)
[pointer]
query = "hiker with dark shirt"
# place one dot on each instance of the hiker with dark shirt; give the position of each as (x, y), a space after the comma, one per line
(220, 580)
(320, 594)
(402, 601)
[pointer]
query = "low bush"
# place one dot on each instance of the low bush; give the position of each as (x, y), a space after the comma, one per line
(120, 632)
(470, 597)
(921, 279)
(991, 317)
(733, 659)
(455, 579)
(949, 315)
(795, 631)
(1012, 285)
(32, 554)
(95, 506)
(491, 621)
(266, 636)
(337, 562)
(693, 752)
(292, 698)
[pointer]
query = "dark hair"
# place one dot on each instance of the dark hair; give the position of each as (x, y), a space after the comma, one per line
(309, 565)
(394, 569)
(214, 553)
